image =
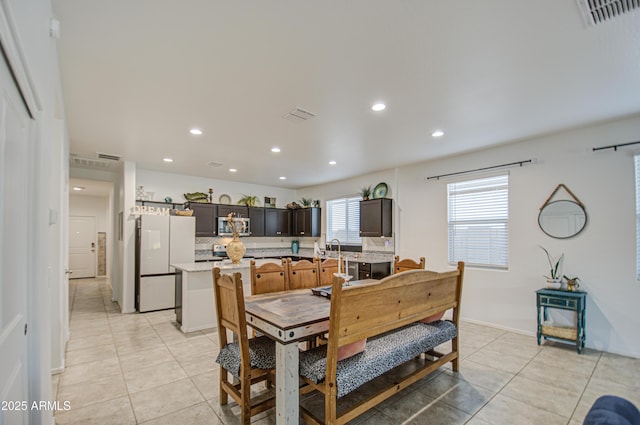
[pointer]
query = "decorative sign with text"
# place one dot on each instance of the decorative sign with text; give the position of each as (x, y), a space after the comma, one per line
(145, 210)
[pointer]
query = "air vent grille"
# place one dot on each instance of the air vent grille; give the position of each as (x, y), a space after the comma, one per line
(214, 164)
(108, 156)
(598, 11)
(298, 115)
(77, 161)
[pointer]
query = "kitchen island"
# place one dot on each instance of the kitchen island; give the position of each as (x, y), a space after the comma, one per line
(195, 306)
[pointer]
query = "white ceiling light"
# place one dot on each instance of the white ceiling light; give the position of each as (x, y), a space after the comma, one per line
(78, 188)
(167, 159)
(275, 149)
(195, 131)
(232, 170)
(437, 133)
(379, 107)
(283, 178)
(332, 163)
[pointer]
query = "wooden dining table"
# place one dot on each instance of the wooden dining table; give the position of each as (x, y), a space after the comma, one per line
(288, 318)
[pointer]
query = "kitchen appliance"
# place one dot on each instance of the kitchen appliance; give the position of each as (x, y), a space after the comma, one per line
(161, 240)
(224, 228)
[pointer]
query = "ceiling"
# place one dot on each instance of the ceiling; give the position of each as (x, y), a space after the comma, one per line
(138, 74)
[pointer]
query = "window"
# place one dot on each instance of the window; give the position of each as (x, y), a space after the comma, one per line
(637, 162)
(479, 222)
(343, 220)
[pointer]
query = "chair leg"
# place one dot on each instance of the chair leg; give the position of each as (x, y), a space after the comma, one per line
(245, 391)
(224, 397)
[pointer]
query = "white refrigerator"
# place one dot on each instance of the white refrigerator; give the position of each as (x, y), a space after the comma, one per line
(161, 241)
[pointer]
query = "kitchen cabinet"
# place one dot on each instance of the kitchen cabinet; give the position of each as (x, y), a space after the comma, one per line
(256, 215)
(277, 222)
(206, 219)
(375, 218)
(373, 270)
(306, 222)
(240, 210)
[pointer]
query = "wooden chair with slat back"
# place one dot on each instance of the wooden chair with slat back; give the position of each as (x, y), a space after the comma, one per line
(327, 268)
(400, 266)
(248, 360)
(269, 277)
(303, 274)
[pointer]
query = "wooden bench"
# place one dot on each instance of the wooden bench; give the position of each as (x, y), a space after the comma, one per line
(388, 314)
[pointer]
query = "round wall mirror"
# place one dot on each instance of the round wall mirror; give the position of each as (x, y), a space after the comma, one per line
(562, 219)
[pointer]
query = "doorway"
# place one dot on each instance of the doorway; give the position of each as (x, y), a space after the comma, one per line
(82, 247)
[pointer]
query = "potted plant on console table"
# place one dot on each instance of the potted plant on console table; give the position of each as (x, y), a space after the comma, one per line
(554, 280)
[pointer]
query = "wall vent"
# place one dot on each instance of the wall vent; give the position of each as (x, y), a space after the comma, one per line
(597, 11)
(108, 156)
(77, 161)
(298, 115)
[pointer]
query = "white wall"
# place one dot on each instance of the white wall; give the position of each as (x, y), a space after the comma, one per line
(176, 185)
(603, 255)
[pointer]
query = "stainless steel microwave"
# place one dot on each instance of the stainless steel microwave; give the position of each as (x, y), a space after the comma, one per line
(242, 225)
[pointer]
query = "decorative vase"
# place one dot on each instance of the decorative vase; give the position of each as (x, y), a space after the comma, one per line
(295, 246)
(236, 250)
(554, 283)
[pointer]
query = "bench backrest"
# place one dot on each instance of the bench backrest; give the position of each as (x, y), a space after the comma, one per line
(365, 310)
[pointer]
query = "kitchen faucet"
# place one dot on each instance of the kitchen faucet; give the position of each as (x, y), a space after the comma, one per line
(331, 249)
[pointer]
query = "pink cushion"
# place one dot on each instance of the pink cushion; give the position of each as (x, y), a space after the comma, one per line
(351, 349)
(433, 318)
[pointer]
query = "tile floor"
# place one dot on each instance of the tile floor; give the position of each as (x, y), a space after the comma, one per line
(140, 369)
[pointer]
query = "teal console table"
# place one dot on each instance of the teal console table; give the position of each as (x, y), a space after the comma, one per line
(564, 300)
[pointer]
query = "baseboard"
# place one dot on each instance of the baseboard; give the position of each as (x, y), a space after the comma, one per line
(493, 325)
(57, 370)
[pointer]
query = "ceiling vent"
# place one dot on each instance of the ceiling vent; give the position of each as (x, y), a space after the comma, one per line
(597, 11)
(108, 157)
(214, 164)
(298, 115)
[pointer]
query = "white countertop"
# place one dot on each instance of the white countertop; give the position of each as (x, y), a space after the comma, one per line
(222, 265)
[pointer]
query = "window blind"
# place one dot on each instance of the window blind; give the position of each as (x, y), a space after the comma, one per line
(343, 220)
(478, 221)
(637, 164)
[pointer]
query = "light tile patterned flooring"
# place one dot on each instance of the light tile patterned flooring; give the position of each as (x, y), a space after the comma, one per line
(139, 368)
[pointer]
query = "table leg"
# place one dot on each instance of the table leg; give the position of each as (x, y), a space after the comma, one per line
(287, 380)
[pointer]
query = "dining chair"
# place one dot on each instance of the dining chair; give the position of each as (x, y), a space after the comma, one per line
(327, 268)
(303, 274)
(269, 277)
(400, 266)
(249, 361)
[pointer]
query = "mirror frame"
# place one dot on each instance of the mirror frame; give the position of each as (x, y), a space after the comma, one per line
(578, 204)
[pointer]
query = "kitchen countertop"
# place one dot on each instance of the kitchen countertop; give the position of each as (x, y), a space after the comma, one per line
(361, 257)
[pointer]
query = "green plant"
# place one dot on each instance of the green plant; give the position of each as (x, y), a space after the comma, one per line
(306, 202)
(365, 192)
(248, 200)
(555, 265)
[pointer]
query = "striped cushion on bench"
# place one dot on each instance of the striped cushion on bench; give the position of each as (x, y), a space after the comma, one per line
(383, 353)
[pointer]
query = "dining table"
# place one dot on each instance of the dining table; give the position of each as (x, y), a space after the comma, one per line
(288, 318)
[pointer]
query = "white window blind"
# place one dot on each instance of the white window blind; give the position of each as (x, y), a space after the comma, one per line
(637, 162)
(343, 220)
(479, 222)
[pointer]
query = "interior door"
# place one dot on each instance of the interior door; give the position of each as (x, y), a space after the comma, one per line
(14, 252)
(82, 246)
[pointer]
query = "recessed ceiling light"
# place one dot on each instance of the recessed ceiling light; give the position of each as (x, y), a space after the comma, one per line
(379, 107)
(283, 178)
(437, 133)
(195, 131)
(78, 188)
(332, 163)
(275, 149)
(232, 170)
(167, 159)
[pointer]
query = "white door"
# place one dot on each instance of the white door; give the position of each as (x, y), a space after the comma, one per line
(82, 246)
(14, 251)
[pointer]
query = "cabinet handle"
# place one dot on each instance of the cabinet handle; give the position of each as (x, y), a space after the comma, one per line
(302, 233)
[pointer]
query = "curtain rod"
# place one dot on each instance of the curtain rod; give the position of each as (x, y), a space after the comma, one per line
(615, 147)
(520, 163)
